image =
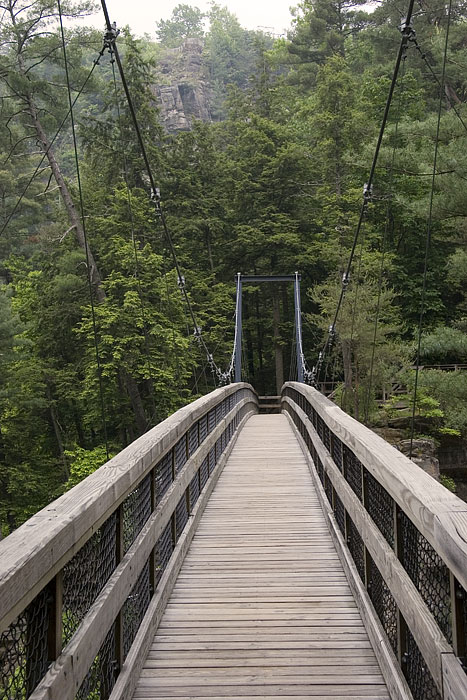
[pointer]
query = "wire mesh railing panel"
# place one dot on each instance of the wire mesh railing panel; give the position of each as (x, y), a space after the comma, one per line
(181, 516)
(320, 427)
(204, 472)
(180, 454)
(136, 509)
(218, 447)
(193, 441)
(212, 460)
(383, 603)
(336, 452)
(326, 437)
(211, 420)
(135, 608)
(428, 572)
(203, 428)
(353, 472)
(419, 678)
(356, 548)
(461, 596)
(163, 476)
(320, 469)
(194, 490)
(86, 573)
(162, 552)
(339, 513)
(23, 650)
(219, 413)
(102, 675)
(380, 506)
(328, 487)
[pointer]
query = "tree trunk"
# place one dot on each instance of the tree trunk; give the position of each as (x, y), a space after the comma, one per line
(209, 247)
(347, 365)
(73, 216)
(279, 358)
(56, 429)
(96, 280)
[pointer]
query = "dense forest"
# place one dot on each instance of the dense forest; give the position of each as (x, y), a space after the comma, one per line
(96, 341)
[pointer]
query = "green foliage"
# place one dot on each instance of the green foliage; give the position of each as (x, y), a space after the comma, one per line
(186, 22)
(447, 482)
(444, 346)
(83, 463)
(272, 185)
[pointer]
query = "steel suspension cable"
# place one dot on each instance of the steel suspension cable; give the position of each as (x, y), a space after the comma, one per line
(367, 190)
(383, 251)
(83, 223)
(429, 232)
(155, 195)
(133, 238)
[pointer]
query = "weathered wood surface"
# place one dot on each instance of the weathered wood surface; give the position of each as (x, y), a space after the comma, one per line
(65, 675)
(131, 669)
(439, 515)
(261, 607)
(33, 554)
(397, 685)
(421, 622)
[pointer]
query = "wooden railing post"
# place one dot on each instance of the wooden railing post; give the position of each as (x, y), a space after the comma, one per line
(119, 654)
(401, 624)
(366, 555)
(152, 556)
(458, 619)
(55, 630)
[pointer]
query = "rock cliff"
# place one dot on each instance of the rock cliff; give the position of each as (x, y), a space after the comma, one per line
(184, 94)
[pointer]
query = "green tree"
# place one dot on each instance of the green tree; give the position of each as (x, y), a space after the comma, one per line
(186, 22)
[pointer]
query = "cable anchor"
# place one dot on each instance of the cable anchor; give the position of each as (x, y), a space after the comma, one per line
(110, 36)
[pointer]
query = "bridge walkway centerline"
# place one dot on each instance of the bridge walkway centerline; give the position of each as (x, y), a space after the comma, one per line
(262, 607)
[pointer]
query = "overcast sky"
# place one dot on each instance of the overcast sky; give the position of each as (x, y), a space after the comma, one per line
(142, 15)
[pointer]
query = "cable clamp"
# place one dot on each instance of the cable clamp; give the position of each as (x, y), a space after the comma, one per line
(367, 191)
(181, 282)
(110, 36)
(345, 280)
(197, 332)
(156, 195)
(332, 330)
(407, 31)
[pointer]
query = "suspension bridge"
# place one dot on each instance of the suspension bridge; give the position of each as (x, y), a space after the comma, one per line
(245, 547)
(230, 553)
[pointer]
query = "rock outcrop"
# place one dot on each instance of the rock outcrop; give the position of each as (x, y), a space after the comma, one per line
(184, 94)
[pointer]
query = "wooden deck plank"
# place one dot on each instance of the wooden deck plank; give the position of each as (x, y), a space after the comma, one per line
(262, 608)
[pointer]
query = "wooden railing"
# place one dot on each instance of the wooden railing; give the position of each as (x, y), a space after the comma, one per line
(407, 540)
(84, 581)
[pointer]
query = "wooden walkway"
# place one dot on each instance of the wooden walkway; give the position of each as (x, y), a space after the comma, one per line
(262, 608)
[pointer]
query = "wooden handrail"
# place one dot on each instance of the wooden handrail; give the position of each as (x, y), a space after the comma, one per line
(437, 514)
(34, 556)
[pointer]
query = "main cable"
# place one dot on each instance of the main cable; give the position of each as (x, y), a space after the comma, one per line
(83, 222)
(428, 233)
(407, 32)
(111, 37)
